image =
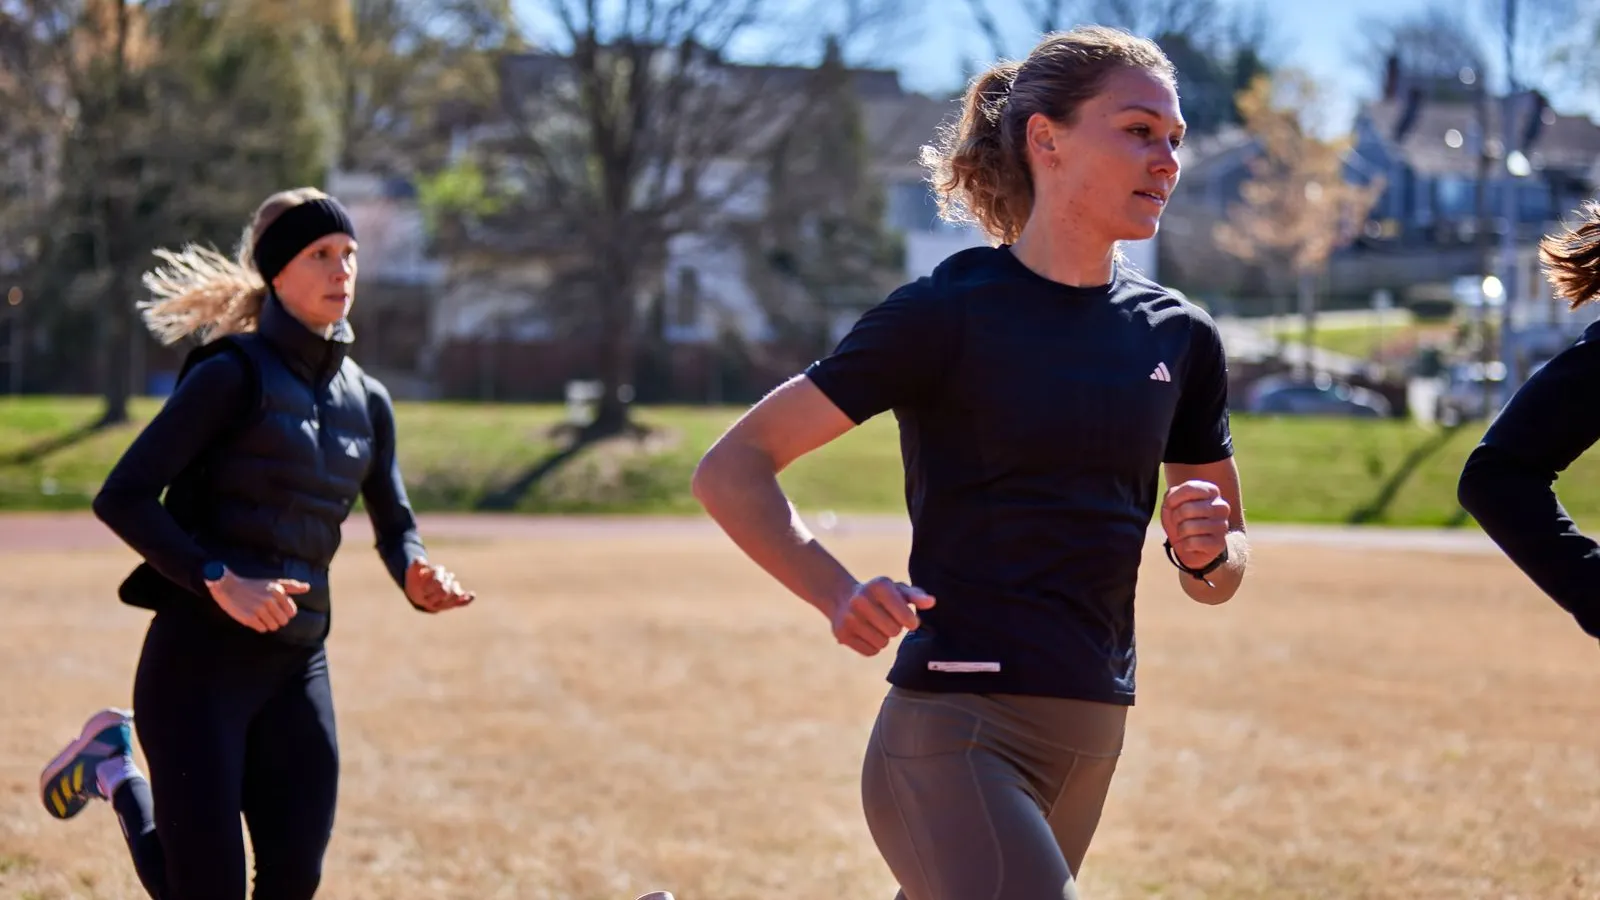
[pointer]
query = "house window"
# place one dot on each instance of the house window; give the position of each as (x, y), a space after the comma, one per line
(912, 207)
(1533, 202)
(1455, 197)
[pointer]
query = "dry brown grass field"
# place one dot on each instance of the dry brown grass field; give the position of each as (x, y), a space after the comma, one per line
(632, 706)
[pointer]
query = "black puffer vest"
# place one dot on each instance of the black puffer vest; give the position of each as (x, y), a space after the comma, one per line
(269, 498)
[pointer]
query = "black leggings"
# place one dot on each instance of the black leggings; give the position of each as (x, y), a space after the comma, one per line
(230, 722)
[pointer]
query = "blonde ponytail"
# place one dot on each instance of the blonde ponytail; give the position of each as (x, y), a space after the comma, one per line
(200, 292)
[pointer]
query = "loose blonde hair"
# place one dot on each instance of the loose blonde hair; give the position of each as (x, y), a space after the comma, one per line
(1572, 259)
(979, 165)
(202, 293)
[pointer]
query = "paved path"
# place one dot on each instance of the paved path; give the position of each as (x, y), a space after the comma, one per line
(44, 532)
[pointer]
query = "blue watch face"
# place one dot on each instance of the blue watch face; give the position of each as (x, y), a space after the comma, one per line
(214, 571)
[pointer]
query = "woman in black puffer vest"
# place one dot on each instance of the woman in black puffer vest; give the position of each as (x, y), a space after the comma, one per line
(269, 438)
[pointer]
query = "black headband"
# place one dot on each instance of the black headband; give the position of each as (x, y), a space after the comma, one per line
(295, 230)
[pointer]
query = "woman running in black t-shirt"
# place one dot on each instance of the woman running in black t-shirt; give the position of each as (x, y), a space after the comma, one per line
(1040, 387)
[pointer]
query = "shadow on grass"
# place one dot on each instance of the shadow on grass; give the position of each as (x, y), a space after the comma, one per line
(1379, 505)
(53, 444)
(510, 495)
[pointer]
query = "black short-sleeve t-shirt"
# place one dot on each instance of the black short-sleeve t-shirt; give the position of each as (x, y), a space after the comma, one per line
(1034, 418)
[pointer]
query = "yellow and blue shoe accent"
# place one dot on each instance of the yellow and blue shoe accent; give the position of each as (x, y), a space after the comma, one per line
(70, 781)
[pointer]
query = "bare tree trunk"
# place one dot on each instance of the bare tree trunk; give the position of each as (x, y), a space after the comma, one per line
(18, 348)
(116, 325)
(118, 354)
(618, 283)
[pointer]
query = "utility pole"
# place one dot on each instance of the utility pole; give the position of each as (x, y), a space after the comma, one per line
(1484, 252)
(1509, 179)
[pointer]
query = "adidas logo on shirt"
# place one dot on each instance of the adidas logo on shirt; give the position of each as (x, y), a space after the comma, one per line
(1161, 373)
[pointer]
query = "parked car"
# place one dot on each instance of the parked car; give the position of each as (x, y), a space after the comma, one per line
(1462, 399)
(1320, 395)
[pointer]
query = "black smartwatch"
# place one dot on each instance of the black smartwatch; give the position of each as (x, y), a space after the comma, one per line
(213, 570)
(1200, 573)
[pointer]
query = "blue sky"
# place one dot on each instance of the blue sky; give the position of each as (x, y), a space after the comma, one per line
(1316, 35)
(931, 47)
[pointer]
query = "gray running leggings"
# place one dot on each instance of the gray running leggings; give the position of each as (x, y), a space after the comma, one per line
(988, 796)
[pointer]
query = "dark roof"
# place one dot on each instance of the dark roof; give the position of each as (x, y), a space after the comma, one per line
(898, 126)
(897, 122)
(1569, 143)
